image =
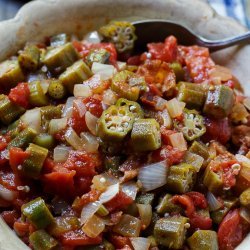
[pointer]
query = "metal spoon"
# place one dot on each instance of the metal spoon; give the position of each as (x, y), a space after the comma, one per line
(157, 30)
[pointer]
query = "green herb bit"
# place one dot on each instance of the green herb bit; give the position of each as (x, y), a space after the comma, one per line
(32, 166)
(37, 213)
(203, 239)
(29, 58)
(146, 135)
(170, 232)
(219, 102)
(40, 240)
(97, 55)
(121, 34)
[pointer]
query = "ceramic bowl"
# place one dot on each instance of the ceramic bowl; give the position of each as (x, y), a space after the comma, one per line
(41, 18)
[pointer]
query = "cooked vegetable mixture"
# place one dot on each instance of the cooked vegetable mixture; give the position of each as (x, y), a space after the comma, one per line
(104, 149)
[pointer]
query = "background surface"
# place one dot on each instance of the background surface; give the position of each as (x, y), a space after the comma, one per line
(238, 9)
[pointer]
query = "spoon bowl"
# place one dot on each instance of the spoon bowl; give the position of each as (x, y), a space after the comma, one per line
(155, 30)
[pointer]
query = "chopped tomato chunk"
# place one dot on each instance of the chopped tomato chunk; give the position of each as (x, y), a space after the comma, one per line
(20, 95)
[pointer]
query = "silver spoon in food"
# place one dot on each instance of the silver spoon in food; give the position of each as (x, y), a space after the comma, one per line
(149, 31)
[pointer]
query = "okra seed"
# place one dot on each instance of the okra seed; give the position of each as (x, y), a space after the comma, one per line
(102, 179)
(148, 55)
(19, 167)
(132, 108)
(120, 129)
(187, 225)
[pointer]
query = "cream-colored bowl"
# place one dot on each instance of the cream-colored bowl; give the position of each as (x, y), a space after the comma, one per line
(42, 18)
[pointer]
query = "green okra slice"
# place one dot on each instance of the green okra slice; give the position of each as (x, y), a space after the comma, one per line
(219, 101)
(37, 213)
(195, 160)
(181, 178)
(145, 198)
(120, 85)
(97, 55)
(145, 135)
(203, 239)
(192, 125)
(192, 94)
(9, 111)
(59, 40)
(76, 73)
(44, 140)
(178, 71)
(102, 211)
(51, 112)
(133, 107)
(37, 97)
(121, 34)
(218, 215)
(56, 89)
(115, 123)
(29, 58)
(200, 149)
(41, 240)
(245, 198)
(23, 139)
(57, 59)
(32, 166)
(170, 232)
(165, 205)
(10, 74)
(112, 163)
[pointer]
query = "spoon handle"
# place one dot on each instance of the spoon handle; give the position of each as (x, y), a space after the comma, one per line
(225, 43)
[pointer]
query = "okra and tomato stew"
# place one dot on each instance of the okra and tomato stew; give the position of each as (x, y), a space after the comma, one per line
(104, 149)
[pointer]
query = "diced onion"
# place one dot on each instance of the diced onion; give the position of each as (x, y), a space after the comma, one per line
(177, 141)
(213, 203)
(81, 90)
(109, 97)
(106, 71)
(94, 226)
(160, 103)
(242, 159)
(91, 122)
(88, 211)
(61, 153)
(246, 102)
(99, 183)
(164, 119)
(80, 106)
(45, 86)
(68, 108)
(110, 193)
(56, 125)
(73, 139)
(153, 176)
(7, 194)
(130, 189)
(194, 159)
(32, 118)
(140, 243)
(36, 76)
(221, 72)
(90, 142)
(121, 65)
(245, 214)
(93, 37)
(145, 212)
(175, 108)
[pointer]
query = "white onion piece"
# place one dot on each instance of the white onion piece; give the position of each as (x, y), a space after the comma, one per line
(7, 194)
(106, 71)
(140, 243)
(164, 119)
(68, 108)
(93, 37)
(160, 103)
(121, 65)
(175, 108)
(221, 72)
(246, 103)
(177, 141)
(56, 125)
(94, 226)
(245, 214)
(242, 158)
(73, 139)
(91, 122)
(130, 189)
(81, 90)
(32, 118)
(145, 212)
(80, 106)
(61, 153)
(110, 193)
(109, 97)
(90, 142)
(36, 76)
(153, 176)
(89, 210)
(213, 203)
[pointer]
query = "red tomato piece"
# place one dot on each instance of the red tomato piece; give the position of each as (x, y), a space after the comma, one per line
(79, 238)
(21, 228)
(82, 185)
(198, 199)
(20, 95)
(198, 221)
(219, 130)
(166, 51)
(110, 47)
(10, 217)
(134, 60)
(120, 241)
(94, 105)
(120, 201)
(186, 202)
(230, 232)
